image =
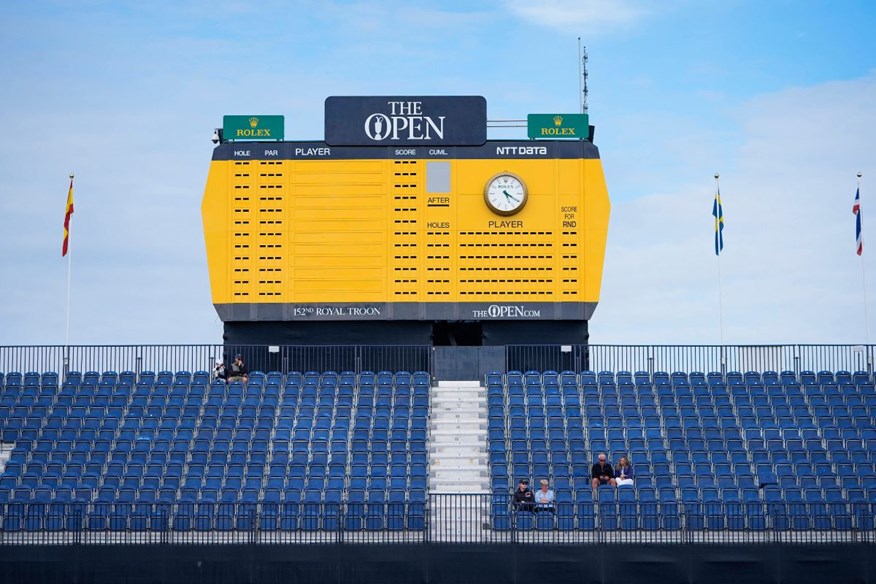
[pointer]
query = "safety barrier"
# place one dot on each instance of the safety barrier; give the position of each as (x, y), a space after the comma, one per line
(442, 518)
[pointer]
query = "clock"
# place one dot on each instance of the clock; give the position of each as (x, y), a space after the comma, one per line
(505, 193)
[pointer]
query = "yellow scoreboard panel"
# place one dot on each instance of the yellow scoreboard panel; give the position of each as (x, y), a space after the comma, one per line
(306, 231)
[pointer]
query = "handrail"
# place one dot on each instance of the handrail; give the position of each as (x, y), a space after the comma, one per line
(283, 358)
(705, 358)
(441, 518)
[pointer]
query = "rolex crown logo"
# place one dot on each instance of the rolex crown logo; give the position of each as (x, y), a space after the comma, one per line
(253, 122)
(558, 121)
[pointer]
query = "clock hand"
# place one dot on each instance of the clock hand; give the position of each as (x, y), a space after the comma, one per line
(508, 196)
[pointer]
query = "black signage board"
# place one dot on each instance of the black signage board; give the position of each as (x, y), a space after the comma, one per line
(493, 149)
(406, 121)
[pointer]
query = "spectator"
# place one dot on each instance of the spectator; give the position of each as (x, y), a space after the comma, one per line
(602, 473)
(219, 371)
(523, 499)
(623, 472)
(237, 370)
(544, 498)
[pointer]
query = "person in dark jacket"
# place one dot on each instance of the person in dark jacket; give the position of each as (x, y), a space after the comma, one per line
(237, 370)
(602, 473)
(524, 500)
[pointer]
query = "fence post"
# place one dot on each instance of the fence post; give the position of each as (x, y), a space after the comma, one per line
(797, 361)
(66, 361)
(870, 360)
(427, 517)
(79, 514)
(284, 360)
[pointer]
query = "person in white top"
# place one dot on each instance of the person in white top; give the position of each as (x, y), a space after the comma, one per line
(219, 371)
(544, 497)
(623, 473)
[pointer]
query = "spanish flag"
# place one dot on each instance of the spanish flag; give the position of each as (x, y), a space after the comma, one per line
(67, 218)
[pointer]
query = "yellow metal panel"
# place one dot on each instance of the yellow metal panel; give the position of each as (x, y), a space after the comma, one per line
(338, 261)
(339, 237)
(367, 230)
(214, 214)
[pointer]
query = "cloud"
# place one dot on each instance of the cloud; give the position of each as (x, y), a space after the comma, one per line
(127, 97)
(591, 16)
(788, 272)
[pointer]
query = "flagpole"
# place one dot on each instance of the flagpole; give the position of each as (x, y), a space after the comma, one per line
(69, 270)
(720, 287)
(863, 269)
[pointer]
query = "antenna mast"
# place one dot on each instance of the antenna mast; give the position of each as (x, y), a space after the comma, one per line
(582, 80)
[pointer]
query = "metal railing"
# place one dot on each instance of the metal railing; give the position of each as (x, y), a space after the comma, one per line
(705, 358)
(283, 358)
(484, 519)
(358, 358)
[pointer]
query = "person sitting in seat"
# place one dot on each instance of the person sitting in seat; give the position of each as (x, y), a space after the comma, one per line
(237, 370)
(523, 498)
(544, 498)
(602, 473)
(219, 371)
(623, 472)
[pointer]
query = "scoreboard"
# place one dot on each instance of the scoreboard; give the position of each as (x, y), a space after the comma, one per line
(313, 231)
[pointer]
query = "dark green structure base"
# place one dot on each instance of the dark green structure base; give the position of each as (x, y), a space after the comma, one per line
(438, 563)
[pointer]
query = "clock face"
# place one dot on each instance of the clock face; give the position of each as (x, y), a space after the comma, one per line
(505, 194)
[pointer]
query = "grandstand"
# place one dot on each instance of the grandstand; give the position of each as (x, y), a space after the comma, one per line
(123, 451)
(414, 317)
(735, 451)
(357, 456)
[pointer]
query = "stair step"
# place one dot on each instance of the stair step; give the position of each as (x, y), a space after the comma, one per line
(457, 407)
(446, 451)
(452, 384)
(452, 412)
(464, 393)
(461, 462)
(463, 425)
(459, 473)
(455, 488)
(458, 449)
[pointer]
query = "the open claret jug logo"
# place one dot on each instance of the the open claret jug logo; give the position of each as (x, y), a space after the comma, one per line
(406, 121)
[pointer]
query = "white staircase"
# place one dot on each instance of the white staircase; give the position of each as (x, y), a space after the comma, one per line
(6, 449)
(458, 460)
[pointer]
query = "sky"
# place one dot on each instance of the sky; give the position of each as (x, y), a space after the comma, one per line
(778, 97)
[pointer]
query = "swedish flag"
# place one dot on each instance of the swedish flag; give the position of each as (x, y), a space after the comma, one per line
(718, 212)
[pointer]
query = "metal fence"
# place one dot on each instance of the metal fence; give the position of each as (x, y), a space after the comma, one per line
(484, 519)
(283, 358)
(705, 358)
(358, 358)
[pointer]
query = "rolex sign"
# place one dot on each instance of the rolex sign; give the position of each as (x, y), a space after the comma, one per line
(253, 127)
(406, 121)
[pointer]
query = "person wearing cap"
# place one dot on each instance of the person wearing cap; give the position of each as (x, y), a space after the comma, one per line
(544, 497)
(523, 498)
(237, 369)
(602, 472)
(219, 371)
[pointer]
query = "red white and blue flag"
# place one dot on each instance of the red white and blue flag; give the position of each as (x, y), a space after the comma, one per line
(856, 209)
